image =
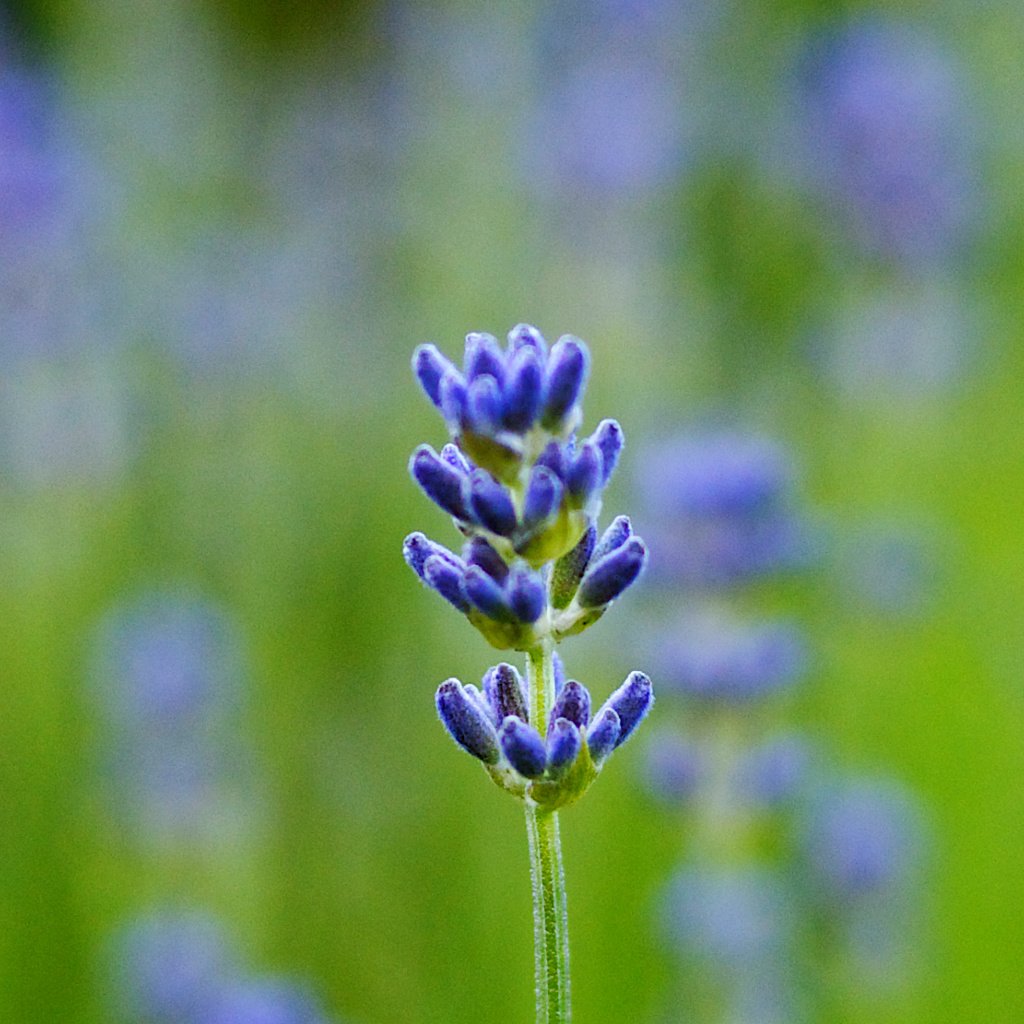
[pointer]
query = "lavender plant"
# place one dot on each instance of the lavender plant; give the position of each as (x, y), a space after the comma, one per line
(525, 491)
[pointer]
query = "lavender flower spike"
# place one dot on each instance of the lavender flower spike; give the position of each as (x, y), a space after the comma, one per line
(526, 494)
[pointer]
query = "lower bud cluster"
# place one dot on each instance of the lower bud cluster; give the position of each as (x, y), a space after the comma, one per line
(555, 768)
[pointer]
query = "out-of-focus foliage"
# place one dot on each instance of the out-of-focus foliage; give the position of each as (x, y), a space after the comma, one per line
(223, 228)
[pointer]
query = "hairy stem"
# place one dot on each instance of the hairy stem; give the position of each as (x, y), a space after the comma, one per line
(550, 914)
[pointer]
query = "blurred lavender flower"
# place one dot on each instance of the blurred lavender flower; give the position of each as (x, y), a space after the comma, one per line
(889, 137)
(775, 771)
(721, 507)
(709, 656)
(266, 1001)
(729, 918)
(62, 401)
(177, 967)
(620, 99)
(862, 838)
(170, 968)
(169, 678)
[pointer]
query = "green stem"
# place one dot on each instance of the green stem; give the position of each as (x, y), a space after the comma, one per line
(550, 914)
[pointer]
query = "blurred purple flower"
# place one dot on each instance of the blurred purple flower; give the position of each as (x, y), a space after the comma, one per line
(712, 657)
(170, 968)
(889, 136)
(169, 679)
(266, 1001)
(721, 507)
(862, 837)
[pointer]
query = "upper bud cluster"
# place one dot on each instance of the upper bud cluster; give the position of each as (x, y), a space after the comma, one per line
(523, 489)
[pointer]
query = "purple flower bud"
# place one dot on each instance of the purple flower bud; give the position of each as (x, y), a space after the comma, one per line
(479, 551)
(523, 747)
(543, 496)
(491, 504)
(451, 454)
(484, 357)
(418, 548)
(553, 458)
(524, 390)
(486, 595)
(430, 367)
(474, 694)
(452, 390)
(565, 379)
(441, 482)
(573, 704)
(524, 336)
(608, 578)
(631, 702)
(569, 569)
(619, 531)
(447, 578)
(609, 439)
(526, 594)
(584, 475)
(466, 722)
(483, 405)
(503, 688)
(563, 745)
(603, 734)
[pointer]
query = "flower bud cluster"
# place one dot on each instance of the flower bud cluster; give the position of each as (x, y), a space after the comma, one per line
(525, 492)
(554, 768)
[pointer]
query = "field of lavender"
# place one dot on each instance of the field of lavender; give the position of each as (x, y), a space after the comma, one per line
(792, 239)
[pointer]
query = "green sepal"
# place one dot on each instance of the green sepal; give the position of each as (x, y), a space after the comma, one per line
(577, 623)
(555, 539)
(569, 569)
(505, 636)
(502, 456)
(550, 794)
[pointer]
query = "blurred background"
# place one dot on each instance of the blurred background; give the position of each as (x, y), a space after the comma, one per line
(791, 235)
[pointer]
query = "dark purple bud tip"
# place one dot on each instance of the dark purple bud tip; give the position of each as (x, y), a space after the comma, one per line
(492, 504)
(484, 357)
(631, 702)
(417, 548)
(483, 405)
(479, 552)
(486, 595)
(603, 734)
(610, 440)
(524, 390)
(526, 595)
(543, 496)
(430, 367)
(466, 722)
(619, 531)
(584, 475)
(573, 704)
(441, 482)
(524, 336)
(609, 577)
(447, 578)
(565, 379)
(450, 453)
(523, 747)
(563, 746)
(504, 691)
